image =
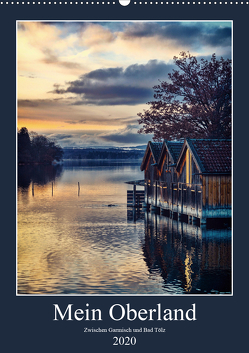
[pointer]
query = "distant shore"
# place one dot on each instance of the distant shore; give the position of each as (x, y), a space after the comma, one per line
(103, 153)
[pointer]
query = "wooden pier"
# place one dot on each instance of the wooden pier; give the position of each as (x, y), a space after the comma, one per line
(135, 198)
(181, 200)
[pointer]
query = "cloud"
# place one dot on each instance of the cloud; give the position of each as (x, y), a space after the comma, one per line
(104, 74)
(95, 34)
(51, 58)
(127, 135)
(60, 136)
(74, 122)
(128, 138)
(35, 103)
(112, 95)
(142, 72)
(65, 140)
(182, 33)
(28, 76)
(220, 37)
(77, 139)
(117, 86)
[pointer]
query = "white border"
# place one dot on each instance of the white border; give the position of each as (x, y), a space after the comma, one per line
(120, 295)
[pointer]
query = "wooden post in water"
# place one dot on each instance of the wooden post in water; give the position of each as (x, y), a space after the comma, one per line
(134, 195)
(156, 195)
(32, 188)
(146, 190)
(78, 188)
(134, 214)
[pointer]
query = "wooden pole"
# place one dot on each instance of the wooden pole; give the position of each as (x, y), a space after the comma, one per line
(134, 214)
(52, 189)
(156, 195)
(147, 192)
(181, 198)
(78, 188)
(32, 188)
(134, 195)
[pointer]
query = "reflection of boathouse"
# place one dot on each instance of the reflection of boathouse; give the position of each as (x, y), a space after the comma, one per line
(190, 179)
(189, 259)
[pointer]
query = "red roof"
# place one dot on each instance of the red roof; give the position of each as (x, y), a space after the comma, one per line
(212, 155)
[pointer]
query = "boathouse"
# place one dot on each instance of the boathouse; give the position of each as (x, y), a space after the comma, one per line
(159, 170)
(135, 198)
(190, 178)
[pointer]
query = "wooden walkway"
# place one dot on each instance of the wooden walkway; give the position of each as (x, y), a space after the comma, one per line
(185, 200)
(179, 201)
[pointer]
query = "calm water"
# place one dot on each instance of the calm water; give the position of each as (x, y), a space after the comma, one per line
(72, 241)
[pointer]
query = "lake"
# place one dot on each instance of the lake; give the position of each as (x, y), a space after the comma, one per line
(82, 239)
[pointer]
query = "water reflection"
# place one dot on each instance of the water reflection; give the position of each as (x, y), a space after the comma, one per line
(190, 259)
(134, 215)
(38, 174)
(76, 243)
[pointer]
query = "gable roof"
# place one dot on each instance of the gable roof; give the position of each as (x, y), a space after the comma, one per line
(174, 149)
(213, 156)
(155, 149)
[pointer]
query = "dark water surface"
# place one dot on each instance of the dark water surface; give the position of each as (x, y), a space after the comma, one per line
(86, 241)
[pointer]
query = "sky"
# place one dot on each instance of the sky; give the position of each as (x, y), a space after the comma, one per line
(83, 83)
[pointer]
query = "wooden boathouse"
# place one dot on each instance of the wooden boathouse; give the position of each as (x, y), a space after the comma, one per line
(190, 179)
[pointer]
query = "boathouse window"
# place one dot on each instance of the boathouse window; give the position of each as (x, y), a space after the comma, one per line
(188, 167)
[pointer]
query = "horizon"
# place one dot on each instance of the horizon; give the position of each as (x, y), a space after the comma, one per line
(106, 147)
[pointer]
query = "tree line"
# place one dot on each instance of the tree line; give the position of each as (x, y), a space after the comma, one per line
(37, 149)
(102, 153)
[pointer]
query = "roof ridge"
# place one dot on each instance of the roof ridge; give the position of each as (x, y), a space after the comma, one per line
(198, 160)
(209, 139)
(156, 153)
(173, 153)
